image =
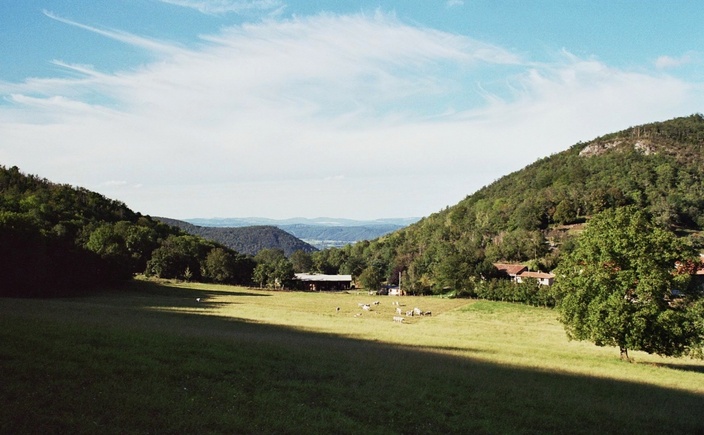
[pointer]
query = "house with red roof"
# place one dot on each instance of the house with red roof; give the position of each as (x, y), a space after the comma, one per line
(511, 270)
(543, 278)
(519, 273)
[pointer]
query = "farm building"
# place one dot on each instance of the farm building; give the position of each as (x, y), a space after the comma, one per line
(321, 282)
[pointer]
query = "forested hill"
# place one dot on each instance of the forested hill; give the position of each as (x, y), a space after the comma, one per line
(57, 239)
(530, 215)
(247, 240)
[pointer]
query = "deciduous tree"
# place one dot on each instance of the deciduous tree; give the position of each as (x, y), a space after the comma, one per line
(620, 287)
(370, 278)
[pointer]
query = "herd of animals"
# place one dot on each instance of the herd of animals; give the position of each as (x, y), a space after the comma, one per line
(399, 312)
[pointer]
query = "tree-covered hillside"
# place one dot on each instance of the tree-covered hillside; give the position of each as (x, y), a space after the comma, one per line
(531, 215)
(247, 240)
(58, 239)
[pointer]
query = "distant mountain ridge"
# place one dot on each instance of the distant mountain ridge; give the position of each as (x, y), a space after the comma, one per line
(322, 232)
(319, 221)
(245, 240)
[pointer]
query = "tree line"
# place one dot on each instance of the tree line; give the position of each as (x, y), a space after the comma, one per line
(57, 239)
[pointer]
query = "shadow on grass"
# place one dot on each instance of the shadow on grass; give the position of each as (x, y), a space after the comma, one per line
(174, 373)
(683, 367)
(158, 295)
(154, 288)
(425, 348)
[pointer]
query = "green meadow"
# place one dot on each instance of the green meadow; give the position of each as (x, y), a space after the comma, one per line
(186, 358)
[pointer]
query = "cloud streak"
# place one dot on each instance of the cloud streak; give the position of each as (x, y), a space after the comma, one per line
(228, 6)
(347, 115)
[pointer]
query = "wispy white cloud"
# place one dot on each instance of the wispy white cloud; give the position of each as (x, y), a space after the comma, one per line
(667, 62)
(356, 116)
(84, 70)
(228, 6)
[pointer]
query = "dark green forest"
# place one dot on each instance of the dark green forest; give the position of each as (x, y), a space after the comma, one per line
(533, 215)
(57, 239)
(247, 240)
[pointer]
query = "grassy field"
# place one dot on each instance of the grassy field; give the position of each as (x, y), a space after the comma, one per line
(153, 358)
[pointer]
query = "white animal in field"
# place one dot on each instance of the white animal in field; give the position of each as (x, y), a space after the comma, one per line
(366, 307)
(398, 319)
(398, 311)
(417, 311)
(409, 313)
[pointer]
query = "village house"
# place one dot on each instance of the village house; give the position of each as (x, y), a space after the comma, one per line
(512, 270)
(394, 290)
(519, 273)
(542, 277)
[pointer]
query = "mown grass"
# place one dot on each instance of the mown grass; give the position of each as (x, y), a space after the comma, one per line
(152, 359)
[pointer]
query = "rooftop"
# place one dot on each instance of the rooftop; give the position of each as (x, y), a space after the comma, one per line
(321, 277)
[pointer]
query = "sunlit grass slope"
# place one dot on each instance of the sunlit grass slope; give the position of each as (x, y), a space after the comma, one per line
(209, 359)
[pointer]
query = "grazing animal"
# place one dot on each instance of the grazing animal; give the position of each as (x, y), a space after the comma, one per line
(398, 311)
(376, 302)
(398, 319)
(366, 307)
(427, 313)
(409, 313)
(417, 311)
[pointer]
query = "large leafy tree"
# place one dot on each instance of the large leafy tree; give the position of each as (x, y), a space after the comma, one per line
(370, 278)
(219, 266)
(620, 286)
(178, 257)
(273, 269)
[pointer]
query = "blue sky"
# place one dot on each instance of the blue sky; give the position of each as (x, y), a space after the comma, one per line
(357, 109)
